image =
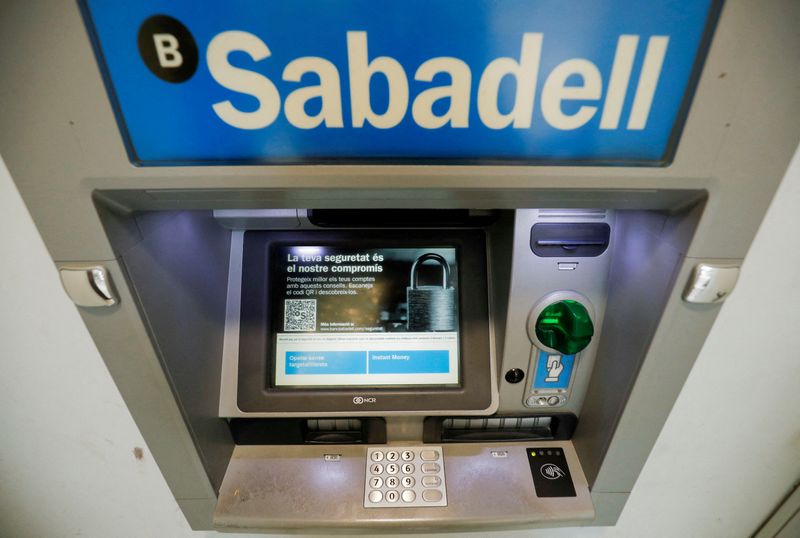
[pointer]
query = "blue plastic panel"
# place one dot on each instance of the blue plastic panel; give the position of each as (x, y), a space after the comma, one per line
(239, 82)
(553, 371)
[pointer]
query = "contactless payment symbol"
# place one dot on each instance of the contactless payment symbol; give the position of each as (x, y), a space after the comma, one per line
(167, 48)
(552, 471)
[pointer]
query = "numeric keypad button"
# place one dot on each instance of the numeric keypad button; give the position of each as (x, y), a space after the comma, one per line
(407, 481)
(376, 468)
(375, 482)
(407, 468)
(392, 468)
(392, 481)
(392, 455)
(392, 496)
(407, 455)
(377, 456)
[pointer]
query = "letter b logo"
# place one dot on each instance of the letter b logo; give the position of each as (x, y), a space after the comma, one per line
(167, 48)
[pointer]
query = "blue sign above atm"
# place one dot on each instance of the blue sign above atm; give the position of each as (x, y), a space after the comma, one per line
(521, 81)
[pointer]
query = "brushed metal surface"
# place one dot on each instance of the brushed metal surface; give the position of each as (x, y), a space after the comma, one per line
(290, 487)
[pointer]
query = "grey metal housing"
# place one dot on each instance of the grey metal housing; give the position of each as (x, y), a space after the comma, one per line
(162, 343)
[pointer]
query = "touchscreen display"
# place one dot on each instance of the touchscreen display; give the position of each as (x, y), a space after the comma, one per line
(364, 316)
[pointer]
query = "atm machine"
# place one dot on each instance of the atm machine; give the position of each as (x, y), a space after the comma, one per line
(399, 266)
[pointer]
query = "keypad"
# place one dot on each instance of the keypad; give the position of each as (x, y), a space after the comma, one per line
(400, 477)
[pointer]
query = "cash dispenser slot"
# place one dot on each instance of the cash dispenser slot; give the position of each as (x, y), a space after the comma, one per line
(299, 431)
(493, 429)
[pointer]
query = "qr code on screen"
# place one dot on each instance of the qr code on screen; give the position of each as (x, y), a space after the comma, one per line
(300, 315)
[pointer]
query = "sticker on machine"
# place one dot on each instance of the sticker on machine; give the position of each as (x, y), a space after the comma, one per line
(553, 371)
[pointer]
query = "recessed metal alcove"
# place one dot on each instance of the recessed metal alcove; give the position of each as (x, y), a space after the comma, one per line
(174, 232)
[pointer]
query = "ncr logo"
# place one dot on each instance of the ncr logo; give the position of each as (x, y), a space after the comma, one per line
(168, 48)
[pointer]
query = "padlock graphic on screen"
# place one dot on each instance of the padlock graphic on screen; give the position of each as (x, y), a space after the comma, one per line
(431, 308)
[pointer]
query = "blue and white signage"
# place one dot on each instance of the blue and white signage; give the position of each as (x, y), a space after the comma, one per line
(553, 371)
(252, 81)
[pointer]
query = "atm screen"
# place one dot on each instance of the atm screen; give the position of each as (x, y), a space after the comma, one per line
(345, 316)
(351, 321)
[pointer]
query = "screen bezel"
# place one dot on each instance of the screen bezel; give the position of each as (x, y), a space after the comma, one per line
(257, 392)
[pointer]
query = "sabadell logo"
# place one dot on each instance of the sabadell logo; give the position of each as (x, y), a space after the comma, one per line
(171, 53)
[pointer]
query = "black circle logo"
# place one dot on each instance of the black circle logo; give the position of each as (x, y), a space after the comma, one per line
(167, 48)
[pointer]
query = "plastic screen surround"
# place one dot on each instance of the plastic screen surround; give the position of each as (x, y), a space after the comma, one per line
(365, 321)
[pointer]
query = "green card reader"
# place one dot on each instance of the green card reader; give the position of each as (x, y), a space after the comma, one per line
(560, 327)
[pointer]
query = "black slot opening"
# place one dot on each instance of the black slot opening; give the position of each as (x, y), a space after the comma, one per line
(559, 426)
(300, 431)
(401, 218)
(570, 239)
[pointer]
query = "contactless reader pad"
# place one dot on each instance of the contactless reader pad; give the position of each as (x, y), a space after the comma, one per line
(551, 477)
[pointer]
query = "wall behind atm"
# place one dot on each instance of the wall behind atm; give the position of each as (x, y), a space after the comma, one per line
(72, 462)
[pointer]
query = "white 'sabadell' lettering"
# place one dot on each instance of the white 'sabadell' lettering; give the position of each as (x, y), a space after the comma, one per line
(361, 69)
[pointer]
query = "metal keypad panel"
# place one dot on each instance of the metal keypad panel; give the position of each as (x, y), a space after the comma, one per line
(399, 477)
